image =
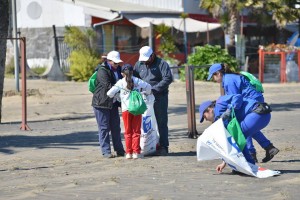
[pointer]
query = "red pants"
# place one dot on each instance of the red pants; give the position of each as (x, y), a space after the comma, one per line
(132, 125)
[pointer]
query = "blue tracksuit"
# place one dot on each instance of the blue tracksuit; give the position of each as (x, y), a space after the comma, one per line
(251, 123)
(238, 84)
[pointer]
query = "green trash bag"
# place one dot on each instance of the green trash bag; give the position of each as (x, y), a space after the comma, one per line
(92, 82)
(253, 80)
(137, 105)
(235, 131)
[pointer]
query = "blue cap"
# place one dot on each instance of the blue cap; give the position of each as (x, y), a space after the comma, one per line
(202, 108)
(213, 69)
(127, 67)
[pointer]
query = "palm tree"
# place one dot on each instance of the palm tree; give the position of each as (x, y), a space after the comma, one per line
(4, 10)
(282, 12)
(228, 12)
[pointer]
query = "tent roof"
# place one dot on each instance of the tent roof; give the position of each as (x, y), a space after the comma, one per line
(119, 6)
(142, 16)
(176, 22)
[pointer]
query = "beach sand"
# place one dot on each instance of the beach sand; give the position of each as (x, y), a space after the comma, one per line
(60, 157)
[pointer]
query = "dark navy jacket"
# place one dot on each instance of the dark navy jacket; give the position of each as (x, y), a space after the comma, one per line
(158, 75)
(105, 80)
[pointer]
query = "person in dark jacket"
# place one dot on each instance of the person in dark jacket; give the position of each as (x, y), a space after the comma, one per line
(105, 108)
(157, 73)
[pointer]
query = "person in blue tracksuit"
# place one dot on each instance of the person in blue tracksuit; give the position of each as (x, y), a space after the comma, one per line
(251, 114)
(235, 83)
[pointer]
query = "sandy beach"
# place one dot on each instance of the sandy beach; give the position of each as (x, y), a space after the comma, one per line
(60, 157)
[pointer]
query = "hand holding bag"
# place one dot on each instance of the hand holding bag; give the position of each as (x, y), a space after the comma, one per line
(235, 131)
(137, 105)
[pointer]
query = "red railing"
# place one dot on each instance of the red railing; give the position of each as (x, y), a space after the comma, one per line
(282, 54)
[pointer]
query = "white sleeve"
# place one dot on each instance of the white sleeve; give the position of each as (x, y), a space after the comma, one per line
(115, 89)
(145, 86)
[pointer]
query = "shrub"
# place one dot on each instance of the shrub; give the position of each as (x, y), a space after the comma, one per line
(83, 58)
(10, 67)
(207, 55)
(83, 64)
(38, 70)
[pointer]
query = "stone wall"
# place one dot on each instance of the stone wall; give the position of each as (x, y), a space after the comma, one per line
(39, 46)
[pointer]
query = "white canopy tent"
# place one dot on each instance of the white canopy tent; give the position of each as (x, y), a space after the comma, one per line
(186, 25)
(178, 23)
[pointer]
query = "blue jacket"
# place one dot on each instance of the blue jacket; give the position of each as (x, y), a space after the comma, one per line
(238, 84)
(242, 106)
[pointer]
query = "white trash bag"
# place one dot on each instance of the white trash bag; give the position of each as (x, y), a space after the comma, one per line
(216, 142)
(149, 130)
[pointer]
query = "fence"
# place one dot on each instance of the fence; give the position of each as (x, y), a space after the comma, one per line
(190, 97)
(63, 53)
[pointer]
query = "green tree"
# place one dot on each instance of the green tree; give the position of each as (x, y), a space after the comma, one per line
(281, 12)
(83, 58)
(228, 12)
(207, 55)
(4, 10)
(167, 44)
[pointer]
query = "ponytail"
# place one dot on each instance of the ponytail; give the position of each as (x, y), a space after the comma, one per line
(226, 69)
(129, 80)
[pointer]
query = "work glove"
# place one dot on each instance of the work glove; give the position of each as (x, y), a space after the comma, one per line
(144, 93)
(226, 115)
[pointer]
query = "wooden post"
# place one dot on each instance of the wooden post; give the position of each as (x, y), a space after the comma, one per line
(190, 97)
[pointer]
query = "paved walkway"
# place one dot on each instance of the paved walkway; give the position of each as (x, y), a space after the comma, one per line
(60, 158)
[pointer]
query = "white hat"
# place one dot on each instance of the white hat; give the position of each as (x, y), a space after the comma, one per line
(114, 56)
(145, 53)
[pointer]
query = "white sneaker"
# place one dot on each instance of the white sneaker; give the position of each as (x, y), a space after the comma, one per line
(136, 156)
(128, 156)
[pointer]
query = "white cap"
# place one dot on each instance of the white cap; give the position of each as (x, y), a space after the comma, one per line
(114, 56)
(145, 53)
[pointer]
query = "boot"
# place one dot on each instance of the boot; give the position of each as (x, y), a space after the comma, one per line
(253, 155)
(271, 151)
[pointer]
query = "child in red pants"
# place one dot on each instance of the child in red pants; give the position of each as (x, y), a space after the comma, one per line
(132, 123)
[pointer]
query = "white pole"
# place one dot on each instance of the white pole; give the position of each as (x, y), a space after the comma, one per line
(151, 36)
(16, 52)
(185, 40)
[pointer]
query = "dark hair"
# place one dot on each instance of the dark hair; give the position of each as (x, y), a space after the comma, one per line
(129, 80)
(226, 69)
(213, 104)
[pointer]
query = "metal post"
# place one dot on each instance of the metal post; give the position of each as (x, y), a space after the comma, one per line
(16, 52)
(190, 97)
(185, 40)
(193, 118)
(56, 45)
(151, 36)
(207, 32)
(24, 126)
(260, 60)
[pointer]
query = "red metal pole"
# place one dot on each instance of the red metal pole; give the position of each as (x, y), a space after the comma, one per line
(260, 67)
(282, 68)
(24, 126)
(299, 63)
